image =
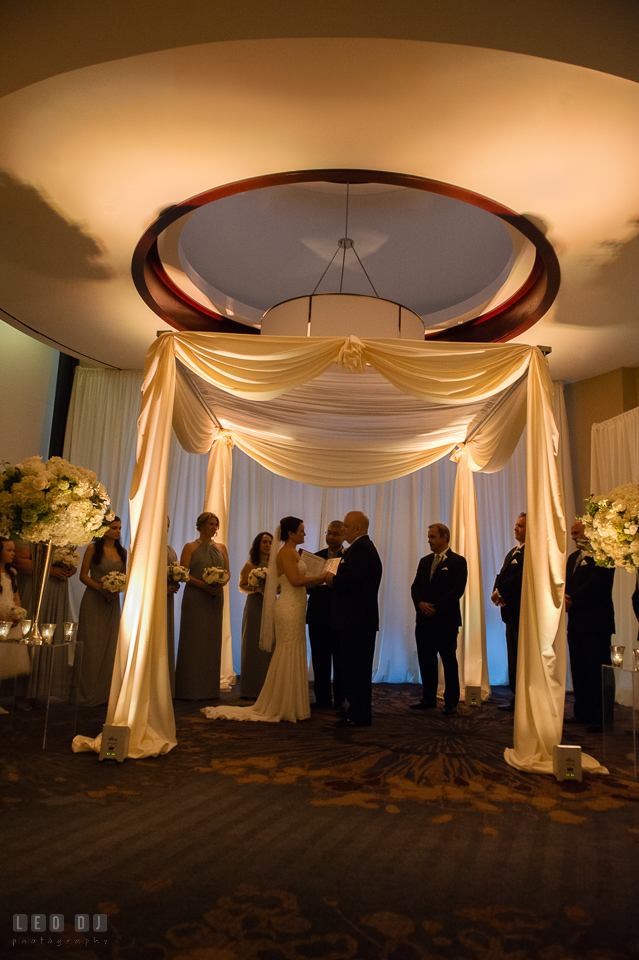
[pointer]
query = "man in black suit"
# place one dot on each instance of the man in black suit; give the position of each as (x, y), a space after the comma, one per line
(355, 616)
(436, 591)
(507, 595)
(591, 623)
(325, 642)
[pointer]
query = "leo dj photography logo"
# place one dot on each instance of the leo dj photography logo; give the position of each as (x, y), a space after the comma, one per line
(51, 929)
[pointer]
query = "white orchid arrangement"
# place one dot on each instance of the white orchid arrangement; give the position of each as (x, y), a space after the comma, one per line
(52, 501)
(114, 582)
(611, 526)
(176, 573)
(257, 577)
(18, 613)
(216, 575)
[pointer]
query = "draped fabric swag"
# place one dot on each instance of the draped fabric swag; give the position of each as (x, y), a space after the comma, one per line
(431, 399)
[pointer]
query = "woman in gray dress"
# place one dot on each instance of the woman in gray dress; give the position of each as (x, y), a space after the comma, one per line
(197, 672)
(99, 619)
(55, 609)
(255, 662)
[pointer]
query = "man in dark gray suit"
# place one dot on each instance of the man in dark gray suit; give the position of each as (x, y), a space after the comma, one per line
(591, 623)
(355, 616)
(507, 595)
(325, 641)
(436, 591)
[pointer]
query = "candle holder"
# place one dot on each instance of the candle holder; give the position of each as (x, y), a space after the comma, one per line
(47, 630)
(5, 626)
(616, 655)
(70, 630)
(25, 626)
(635, 654)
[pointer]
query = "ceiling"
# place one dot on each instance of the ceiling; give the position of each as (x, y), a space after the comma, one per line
(106, 123)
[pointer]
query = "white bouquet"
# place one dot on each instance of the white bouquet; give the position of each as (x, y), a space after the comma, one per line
(216, 575)
(257, 577)
(176, 573)
(66, 557)
(611, 526)
(18, 613)
(114, 582)
(52, 501)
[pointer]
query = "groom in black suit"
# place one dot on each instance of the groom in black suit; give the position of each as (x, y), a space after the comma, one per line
(591, 623)
(355, 616)
(436, 591)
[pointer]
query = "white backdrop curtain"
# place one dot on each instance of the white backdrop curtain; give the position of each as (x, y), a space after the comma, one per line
(614, 459)
(458, 375)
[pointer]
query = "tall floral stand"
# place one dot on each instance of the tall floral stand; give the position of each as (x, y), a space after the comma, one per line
(41, 559)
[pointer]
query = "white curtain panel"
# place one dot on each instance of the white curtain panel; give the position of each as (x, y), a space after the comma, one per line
(264, 369)
(615, 460)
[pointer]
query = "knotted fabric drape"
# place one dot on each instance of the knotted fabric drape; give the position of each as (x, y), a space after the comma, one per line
(473, 381)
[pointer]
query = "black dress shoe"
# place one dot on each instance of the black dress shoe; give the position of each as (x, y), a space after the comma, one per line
(507, 706)
(422, 705)
(347, 722)
(449, 712)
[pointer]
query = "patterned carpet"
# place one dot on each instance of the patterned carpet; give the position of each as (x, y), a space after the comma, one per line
(408, 839)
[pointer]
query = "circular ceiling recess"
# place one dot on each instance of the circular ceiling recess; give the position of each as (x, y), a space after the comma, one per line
(472, 269)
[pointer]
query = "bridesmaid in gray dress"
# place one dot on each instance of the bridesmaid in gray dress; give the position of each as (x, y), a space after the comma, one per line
(255, 662)
(55, 609)
(197, 673)
(99, 619)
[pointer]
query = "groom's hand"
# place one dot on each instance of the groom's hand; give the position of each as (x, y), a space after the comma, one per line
(427, 609)
(328, 577)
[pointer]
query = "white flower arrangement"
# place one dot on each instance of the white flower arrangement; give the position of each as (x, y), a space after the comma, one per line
(216, 575)
(18, 613)
(611, 526)
(114, 582)
(176, 573)
(52, 501)
(257, 577)
(66, 557)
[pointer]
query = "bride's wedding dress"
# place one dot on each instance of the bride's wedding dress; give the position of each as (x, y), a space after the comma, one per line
(284, 695)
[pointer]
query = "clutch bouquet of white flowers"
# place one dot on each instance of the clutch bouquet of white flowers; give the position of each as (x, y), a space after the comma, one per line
(52, 501)
(216, 575)
(18, 613)
(176, 573)
(114, 582)
(612, 527)
(66, 557)
(257, 577)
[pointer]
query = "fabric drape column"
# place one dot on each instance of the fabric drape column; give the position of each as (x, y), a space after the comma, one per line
(217, 500)
(471, 649)
(140, 690)
(541, 664)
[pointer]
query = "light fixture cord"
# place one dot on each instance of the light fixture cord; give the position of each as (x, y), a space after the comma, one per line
(325, 272)
(341, 279)
(365, 271)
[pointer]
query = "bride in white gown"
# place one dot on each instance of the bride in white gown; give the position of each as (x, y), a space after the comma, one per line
(284, 695)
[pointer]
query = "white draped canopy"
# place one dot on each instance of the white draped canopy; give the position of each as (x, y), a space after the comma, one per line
(340, 412)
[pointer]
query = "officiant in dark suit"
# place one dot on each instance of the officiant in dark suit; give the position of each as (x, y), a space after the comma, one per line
(507, 595)
(591, 623)
(436, 591)
(325, 641)
(355, 615)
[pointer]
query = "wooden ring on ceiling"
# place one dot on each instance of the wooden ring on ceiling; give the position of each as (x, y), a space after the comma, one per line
(508, 320)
